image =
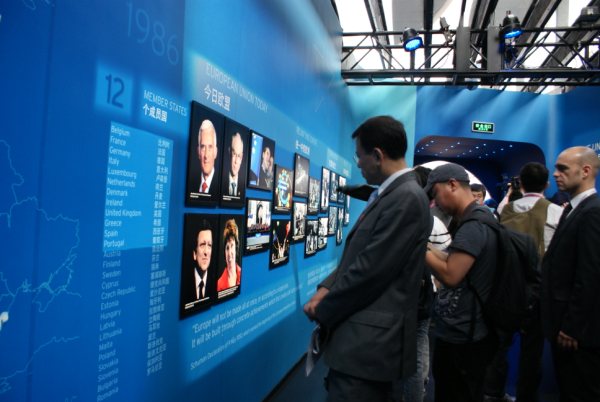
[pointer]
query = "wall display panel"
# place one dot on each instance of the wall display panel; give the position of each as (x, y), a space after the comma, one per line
(322, 236)
(198, 263)
(314, 194)
(298, 221)
(341, 197)
(229, 276)
(258, 225)
(235, 165)
(339, 233)
(204, 156)
(262, 162)
(280, 243)
(325, 177)
(332, 220)
(301, 175)
(333, 182)
(95, 175)
(312, 237)
(282, 196)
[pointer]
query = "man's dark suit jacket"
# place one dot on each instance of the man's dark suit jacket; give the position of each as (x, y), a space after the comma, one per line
(371, 307)
(570, 277)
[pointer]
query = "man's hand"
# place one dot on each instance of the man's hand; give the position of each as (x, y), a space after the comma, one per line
(311, 305)
(566, 342)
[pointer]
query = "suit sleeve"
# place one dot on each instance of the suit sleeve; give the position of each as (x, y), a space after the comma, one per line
(584, 294)
(386, 241)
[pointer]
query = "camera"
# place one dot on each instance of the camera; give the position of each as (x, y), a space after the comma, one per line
(515, 183)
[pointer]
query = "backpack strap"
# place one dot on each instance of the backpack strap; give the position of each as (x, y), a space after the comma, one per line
(478, 213)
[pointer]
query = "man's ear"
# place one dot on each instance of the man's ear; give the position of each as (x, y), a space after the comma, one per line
(378, 153)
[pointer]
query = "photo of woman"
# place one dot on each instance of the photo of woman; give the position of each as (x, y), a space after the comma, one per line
(230, 279)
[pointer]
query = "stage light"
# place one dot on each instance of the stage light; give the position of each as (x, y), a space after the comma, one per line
(411, 40)
(445, 27)
(511, 27)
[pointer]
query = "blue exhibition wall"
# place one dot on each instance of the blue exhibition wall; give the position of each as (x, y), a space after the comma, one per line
(398, 102)
(579, 125)
(94, 135)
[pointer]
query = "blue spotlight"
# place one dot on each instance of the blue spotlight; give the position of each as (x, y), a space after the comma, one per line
(511, 27)
(411, 40)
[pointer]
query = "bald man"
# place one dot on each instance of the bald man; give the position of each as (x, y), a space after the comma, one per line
(207, 154)
(570, 300)
(236, 152)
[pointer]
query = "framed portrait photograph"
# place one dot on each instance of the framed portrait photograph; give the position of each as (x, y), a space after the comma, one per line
(311, 239)
(322, 233)
(204, 152)
(262, 162)
(235, 165)
(333, 182)
(298, 221)
(282, 196)
(325, 176)
(280, 243)
(340, 225)
(314, 192)
(198, 263)
(301, 176)
(332, 220)
(258, 225)
(341, 183)
(347, 211)
(229, 275)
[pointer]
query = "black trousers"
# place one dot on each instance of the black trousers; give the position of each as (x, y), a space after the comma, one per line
(459, 369)
(577, 374)
(529, 374)
(346, 388)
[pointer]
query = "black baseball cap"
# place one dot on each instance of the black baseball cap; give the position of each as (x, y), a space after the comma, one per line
(445, 172)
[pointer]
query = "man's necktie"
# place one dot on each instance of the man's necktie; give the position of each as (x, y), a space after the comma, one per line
(568, 208)
(204, 187)
(201, 289)
(232, 189)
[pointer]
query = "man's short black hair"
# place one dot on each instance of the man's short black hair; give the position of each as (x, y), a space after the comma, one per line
(422, 173)
(534, 177)
(204, 225)
(480, 188)
(385, 133)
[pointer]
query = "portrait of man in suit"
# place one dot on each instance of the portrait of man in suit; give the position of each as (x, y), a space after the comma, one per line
(233, 179)
(367, 307)
(207, 155)
(197, 276)
(204, 177)
(570, 276)
(236, 155)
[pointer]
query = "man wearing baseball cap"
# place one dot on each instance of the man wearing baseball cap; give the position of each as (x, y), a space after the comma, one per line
(463, 344)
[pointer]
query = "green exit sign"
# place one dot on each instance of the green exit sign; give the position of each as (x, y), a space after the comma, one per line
(482, 127)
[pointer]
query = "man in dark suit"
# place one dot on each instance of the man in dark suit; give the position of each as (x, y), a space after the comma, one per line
(570, 299)
(197, 284)
(236, 153)
(207, 155)
(368, 304)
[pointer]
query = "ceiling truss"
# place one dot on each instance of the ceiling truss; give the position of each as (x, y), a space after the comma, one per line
(572, 54)
(507, 67)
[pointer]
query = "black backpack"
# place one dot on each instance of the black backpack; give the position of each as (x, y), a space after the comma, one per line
(515, 288)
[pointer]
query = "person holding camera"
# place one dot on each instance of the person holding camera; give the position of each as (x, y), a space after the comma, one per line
(534, 215)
